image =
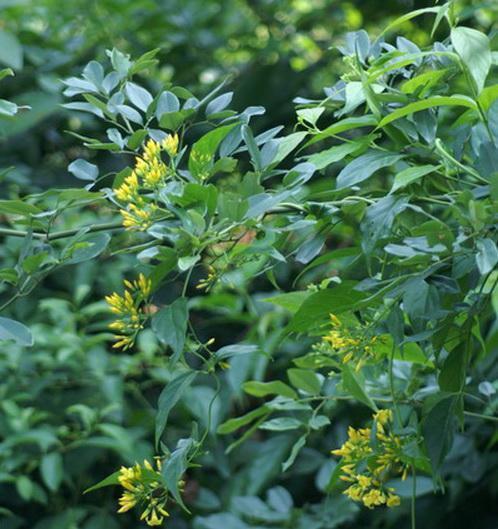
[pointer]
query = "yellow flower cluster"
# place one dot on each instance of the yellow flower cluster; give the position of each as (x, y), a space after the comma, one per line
(208, 282)
(149, 172)
(350, 343)
(128, 308)
(143, 486)
(367, 463)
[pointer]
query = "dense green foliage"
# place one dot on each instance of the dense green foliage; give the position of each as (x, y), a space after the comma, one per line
(270, 286)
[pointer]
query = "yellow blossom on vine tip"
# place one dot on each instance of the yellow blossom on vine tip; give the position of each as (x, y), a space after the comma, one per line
(128, 190)
(170, 144)
(349, 343)
(335, 320)
(137, 218)
(143, 487)
(383, 416)
(127, 501)
(367, 463)
(152, 150)
(128, 307)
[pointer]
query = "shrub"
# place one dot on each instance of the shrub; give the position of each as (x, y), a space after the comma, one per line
(288, 308)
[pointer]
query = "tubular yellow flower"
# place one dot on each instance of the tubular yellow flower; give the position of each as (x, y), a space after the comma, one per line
(152, 150)
(170, 144)
(128, 190)
(127, 501)
(130, 310)
(144, 487)
(349, 343)
(368, 463)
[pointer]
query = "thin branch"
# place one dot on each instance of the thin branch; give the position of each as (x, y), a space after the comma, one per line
(8, 232)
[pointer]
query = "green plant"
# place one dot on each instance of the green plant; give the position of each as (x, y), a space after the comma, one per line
(378, 290)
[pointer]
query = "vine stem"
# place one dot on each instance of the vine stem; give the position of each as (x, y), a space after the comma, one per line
(414, 493)
(9, 232)
(63, 233)
(209, 417)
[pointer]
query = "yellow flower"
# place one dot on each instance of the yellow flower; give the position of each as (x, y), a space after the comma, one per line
(383, 417)
(128, 190)
(143, 486)
(349, 343)
(335, 320)
(127, 501)
(393, 500)
(373, 498)
(364, 481)
(170, 144)
(368, 463)
(129, 309)
(137, 218)
(152, 150)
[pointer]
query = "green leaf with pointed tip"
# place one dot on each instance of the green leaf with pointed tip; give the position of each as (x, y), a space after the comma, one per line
(473, 48)
(262, 389)
(168, 398)
(107, 482)
(353, 383)
(430, 102)
(170, 326)
(12, 330)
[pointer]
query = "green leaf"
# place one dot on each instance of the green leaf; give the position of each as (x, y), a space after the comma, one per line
(365, 166)
(168, 398)
(275, 387)
(411, 174)
(52, 470)
(6, 72)
(452, 375)
(11, 52)
(310, 115)
(438, 429)
(379, 219)
(12, 330)
(166, 104)
(404, 487)
(281, 424)
(335, 154)
(412, 14)
(83, 170)
(173, 120)
(86, 249)
(33, 262)
(473, 48)
(18, 207)
(234, 424)
(353, 384)
(174, 468)
(296, 448)
(287, 144)
(7, 108)
(305, 379)
(219, 103)
(204, 149)
(344, 125)
(107, 482)
(170, 326)
(430, 102)
(316, 308)
(140, 97)
(290, 301)
(229, 351)
(137, 138)
(487, 255)
(252, 147)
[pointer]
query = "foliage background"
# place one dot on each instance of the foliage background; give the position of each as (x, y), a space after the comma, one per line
(72, 411)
